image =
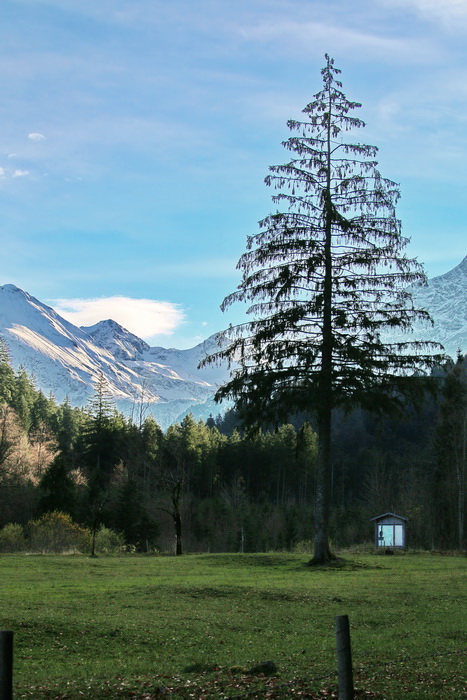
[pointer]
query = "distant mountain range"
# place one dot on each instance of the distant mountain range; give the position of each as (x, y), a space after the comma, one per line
(67, 360)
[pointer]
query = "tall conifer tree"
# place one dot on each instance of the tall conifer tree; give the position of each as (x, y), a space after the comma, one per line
(7, 375)
(324, 278)
(100, 440)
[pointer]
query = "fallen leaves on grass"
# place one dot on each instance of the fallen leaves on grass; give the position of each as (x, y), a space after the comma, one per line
(223, 687)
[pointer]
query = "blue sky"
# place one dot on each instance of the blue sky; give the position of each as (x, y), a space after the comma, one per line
(135, 136)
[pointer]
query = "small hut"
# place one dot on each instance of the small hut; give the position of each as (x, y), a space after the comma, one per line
(389, 530)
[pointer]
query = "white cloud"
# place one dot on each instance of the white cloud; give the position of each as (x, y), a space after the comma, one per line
(36, 137)
(2, 173)
(143, 317)
(21, 173)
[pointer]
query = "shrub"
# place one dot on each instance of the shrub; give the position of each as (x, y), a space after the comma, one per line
(109, 541)
(12, 538)
(303, 547)
(55, 533)
(360, 548)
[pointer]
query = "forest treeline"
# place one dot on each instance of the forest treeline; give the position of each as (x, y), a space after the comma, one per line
(206, 486)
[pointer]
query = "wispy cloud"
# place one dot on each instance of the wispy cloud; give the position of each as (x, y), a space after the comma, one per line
(451, 14)
(36, 137)
(143, 317)
(315, 37)
(8, 173)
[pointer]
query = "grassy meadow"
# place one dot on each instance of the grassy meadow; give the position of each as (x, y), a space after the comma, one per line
(195, 626)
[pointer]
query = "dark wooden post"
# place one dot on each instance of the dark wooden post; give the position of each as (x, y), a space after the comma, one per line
(344, 658)
(6, 665)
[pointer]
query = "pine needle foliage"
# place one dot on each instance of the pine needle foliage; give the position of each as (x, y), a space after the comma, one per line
(324, 278)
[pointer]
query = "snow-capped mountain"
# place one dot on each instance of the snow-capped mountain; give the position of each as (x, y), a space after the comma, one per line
(445, 297)
(67, 360)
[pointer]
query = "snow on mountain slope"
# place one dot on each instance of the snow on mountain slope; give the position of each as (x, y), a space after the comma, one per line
(61, 357)
(67, 360)
(181, 364)
(445, 298)
(122, 344)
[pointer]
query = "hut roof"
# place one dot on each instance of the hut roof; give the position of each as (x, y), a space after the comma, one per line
(384, 515)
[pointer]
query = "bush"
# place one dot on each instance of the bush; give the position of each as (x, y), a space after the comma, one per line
(56, 533)
(303, 547)
(361, 548)
(12, 538)
(109, 541)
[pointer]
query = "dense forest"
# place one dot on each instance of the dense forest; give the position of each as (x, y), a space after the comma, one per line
(207, 486)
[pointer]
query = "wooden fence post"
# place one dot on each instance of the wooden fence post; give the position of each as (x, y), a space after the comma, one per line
(344, 658)
(6, 665)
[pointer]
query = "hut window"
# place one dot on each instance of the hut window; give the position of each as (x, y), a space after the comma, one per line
(388, 535)
(398, 536)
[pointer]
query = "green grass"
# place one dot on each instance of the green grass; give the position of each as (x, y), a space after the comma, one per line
(192, 626)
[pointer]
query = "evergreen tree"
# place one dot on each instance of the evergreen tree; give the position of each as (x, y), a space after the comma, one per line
(39, 415)
(57, 488)
(10, 439)
(324, 278)
(100, 451)
(23, 397)
(184, 450)
(100, 435)
(151, 438)
(131, 516)
(174, 464)
(7, 375)
(68, 422)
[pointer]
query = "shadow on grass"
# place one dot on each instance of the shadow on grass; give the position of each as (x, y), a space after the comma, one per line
(285, 561)
(246, 560)
(340, 564)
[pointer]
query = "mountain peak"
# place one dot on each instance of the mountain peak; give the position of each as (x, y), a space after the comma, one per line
(123, 344)
(11, 288)
(109, 324)
(14, 291)
(459, 272)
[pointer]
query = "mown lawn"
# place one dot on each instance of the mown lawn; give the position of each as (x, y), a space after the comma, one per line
(193, 626)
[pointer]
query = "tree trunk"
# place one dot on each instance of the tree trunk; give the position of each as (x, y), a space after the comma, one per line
(178, 533)
(176, 495)
(93, 540)
(322, 551)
